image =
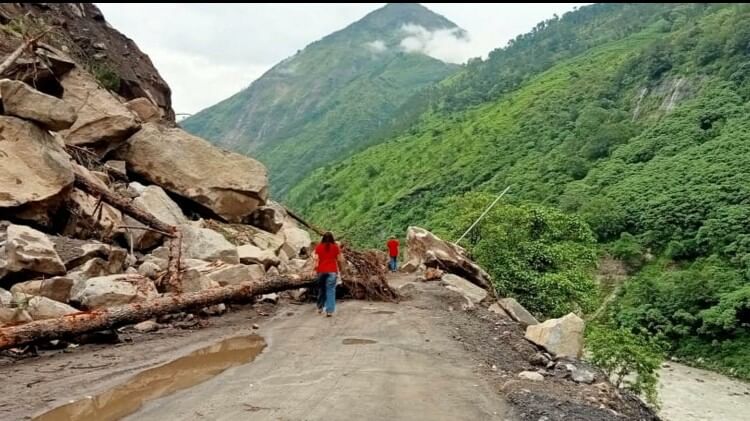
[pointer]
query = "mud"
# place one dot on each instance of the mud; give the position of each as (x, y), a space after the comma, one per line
(154, 383)
(39, 383)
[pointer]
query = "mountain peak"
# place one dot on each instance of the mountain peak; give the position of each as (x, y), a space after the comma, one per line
(398, 14)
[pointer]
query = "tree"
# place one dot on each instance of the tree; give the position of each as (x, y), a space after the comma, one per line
(536, 254)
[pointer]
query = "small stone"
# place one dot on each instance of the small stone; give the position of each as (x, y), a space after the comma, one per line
(255, 326)
(147, 326)
(531, 375)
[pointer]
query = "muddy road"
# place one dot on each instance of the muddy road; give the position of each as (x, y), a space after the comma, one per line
(424, 358)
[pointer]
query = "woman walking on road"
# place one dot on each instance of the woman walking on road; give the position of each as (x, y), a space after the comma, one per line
(326, 257)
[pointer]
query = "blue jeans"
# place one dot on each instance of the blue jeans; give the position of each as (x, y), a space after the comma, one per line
(327, 291)
(393, 263)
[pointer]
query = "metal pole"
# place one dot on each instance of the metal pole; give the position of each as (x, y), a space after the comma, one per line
(483, 214)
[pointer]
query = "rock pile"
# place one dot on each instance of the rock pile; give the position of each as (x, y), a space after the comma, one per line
(63, 250)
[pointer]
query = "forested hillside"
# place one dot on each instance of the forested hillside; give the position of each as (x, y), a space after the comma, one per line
(633, 119)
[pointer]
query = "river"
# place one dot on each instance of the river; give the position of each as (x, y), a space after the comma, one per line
(691, 394)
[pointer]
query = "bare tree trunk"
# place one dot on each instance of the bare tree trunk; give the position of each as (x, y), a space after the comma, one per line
(26, 45)
(78, 323)
(123, 205)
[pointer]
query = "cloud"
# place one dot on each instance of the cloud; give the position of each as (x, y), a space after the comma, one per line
(448, 45)
(377, 46)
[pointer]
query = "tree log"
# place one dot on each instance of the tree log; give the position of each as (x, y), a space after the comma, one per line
(79, 323)
(122, 204)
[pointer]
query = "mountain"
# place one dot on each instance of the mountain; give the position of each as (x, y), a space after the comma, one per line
(633, 117)
(323, 103)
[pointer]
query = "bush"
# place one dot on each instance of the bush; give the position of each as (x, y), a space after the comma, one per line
(538, 255)
(630, 361)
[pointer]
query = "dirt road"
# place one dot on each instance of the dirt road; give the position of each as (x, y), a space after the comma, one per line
(370, 361)
(424, 358)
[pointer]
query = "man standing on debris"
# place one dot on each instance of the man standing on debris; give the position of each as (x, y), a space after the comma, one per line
(326, 257)
(393, 253)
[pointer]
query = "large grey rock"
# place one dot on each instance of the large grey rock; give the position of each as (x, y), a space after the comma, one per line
(460, 285)
(149, 269)
(250, 254)
(89, 217)
(268, 218)
(193, 280)
(111, 290)
(517, 312)
(206, 244)
(74, 252)
(155, 201)
(233, 274)
(268, 241)
(29, 249)
(41, 308)
(21, 100)
(425, 248)
(36, 172)
(562, 337)
(144, 109)
(57, 288)
(103, 123)
(27, 288)
(296, 241)
(229, 184)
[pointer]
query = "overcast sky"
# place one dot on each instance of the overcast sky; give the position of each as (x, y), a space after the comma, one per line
(207, 52)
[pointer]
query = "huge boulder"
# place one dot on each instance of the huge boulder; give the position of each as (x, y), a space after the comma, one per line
(111, 290)
(88, 216)
(233, 274)
(230, 185)
(75, 252)
(21, 100)
(517, 312)
(426, 248)
(103, 123)
(41, 308)
(56, 288)
(30, 250)
(205, 244)
(268, 218)
(145, 110)
(296, 241)
(155, 201)
(562, 337)
(460, 285)
(36, 172)
(250, 254)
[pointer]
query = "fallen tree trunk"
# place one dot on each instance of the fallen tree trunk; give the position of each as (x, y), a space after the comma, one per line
(122, 204)
(79, 323)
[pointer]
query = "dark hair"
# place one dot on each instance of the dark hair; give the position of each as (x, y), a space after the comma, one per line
(328, 239)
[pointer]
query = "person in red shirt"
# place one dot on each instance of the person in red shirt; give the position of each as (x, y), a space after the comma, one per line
(326, 257)
(393, 253)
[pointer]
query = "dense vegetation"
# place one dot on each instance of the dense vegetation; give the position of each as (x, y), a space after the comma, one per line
(323, 103)
(632, 118)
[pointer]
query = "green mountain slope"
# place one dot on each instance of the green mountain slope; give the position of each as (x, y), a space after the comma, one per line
(634, 117)
(323, 103)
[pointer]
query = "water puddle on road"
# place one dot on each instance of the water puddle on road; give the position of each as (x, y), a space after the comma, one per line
(357, 341)
(157, 382)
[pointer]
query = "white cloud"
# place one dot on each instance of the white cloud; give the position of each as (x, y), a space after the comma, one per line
(448, 45)
(377, 46)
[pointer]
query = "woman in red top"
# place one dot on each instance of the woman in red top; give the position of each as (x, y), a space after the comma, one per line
(327, 255)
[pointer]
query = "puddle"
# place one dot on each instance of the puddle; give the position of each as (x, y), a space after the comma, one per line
(157, 382)
(356, 341)
(383, 312)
